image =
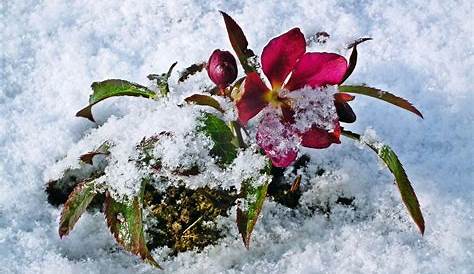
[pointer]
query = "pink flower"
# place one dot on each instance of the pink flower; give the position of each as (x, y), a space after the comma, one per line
(278, 133)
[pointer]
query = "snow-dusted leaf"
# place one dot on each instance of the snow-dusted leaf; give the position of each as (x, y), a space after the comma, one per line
(204, 100)
(75, 206)
(353, 57)
(247, 214)
(101, 150)
(404, 186)
(162, 80)
(239, 43)
(382, 95)
(125, 222)
(222, 136)
(191, 70)
(111, 88)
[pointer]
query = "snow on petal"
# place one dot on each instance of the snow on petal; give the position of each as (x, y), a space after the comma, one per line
(278, 140)
(313, 108)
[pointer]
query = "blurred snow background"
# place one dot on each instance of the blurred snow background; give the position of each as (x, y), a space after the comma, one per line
(50, 52)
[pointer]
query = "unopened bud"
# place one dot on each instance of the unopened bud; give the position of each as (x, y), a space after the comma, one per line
(222, 68)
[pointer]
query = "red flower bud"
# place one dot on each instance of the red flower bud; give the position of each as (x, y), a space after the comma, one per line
(222, 68)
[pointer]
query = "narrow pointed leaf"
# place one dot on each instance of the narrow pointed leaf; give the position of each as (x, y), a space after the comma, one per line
(75, 206)
(191, 70)
(204, 100)
(111, 88)
(239, 43)
(353, 57)
(162, 80)
(404, 186)
(222, 136)
(125, 222)
(101, 150)
(247, 215)
(382, 95)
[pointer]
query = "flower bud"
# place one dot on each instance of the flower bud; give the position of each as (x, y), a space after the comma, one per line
(222, 68)
(345, 112)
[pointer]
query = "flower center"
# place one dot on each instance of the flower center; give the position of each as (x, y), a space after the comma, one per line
(273, 98)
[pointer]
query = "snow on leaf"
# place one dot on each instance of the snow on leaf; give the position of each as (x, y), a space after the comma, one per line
(101, 150)
(247, 214)
(191, 70)
(222, 136)
(407, 193)
(75, 206)
(382, 95)
(239, 43)
(111, 88)
(204, 100)
(125, 222)
(162, 80)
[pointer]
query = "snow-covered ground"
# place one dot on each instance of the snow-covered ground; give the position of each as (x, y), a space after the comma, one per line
(50, 52)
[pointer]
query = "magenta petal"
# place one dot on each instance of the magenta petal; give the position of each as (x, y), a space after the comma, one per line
(252, 100)
(317, 69)
(278, 140)
(280, 55)
(320, 138)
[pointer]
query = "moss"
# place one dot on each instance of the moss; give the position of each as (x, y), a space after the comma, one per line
(185, 219)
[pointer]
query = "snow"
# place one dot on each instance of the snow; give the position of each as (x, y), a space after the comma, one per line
(51, 51)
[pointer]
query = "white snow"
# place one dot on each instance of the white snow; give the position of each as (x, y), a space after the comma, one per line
(51, 51)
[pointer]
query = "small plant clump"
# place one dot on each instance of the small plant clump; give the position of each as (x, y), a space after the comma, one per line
(236, 145)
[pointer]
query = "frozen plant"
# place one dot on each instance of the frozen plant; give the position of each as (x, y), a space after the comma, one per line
(167, 188)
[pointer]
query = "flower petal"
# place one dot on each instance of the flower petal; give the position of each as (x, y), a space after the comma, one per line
(317, 69)
(320, 138)
(280, 55)
(252, 99)
(278, 140)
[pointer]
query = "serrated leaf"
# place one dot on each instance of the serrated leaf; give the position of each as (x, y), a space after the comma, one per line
(191, 70)
(247, 217)
(204, 100)
(162, 80)
(353, 57)
(239, 43)
(125, 222)
(382, 95)
(407, 193)
(222, 136)
(75, 206)
(112, 88)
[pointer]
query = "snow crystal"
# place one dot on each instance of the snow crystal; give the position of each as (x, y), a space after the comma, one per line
(313, 107)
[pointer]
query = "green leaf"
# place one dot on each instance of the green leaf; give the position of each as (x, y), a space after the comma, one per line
(222, 136)
(111, 88)
(404, 186)
(162, 80)
(125, 222)
(204, 100)
(239, 43)
(382, 95)
(75, 206)
(353, 58)
(191, 70)
(247, 215)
